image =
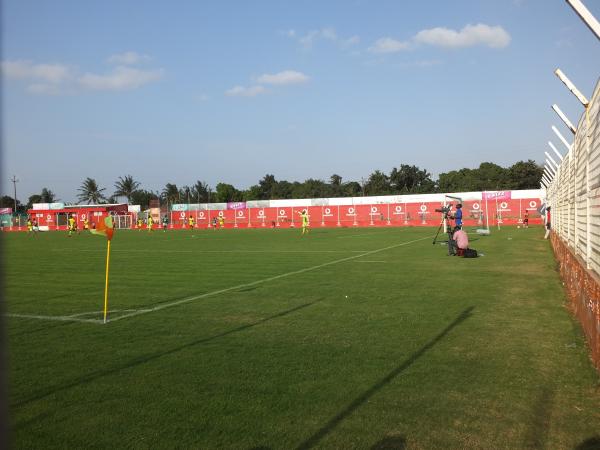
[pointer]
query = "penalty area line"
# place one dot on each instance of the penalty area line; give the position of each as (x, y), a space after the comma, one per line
(264, 280)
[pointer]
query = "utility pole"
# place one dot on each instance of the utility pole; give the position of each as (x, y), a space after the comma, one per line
(14, 182)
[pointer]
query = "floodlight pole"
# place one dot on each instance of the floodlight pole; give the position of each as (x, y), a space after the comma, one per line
(14, 182)
(585, 15)
(571, 87)
(564, 118)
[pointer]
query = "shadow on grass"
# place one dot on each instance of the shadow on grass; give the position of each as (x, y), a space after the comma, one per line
(592, 443)
(150, 357)
(390, 443)
(538, 430)
(365, 396)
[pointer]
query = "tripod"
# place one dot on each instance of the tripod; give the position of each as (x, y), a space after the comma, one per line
(449, 232)
(444, 219)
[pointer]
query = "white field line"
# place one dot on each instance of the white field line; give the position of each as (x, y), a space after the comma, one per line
(265, 280)
(358, 235)
(214, 251)
(56, 318)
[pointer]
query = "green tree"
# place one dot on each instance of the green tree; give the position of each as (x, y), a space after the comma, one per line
(170, 193)
(335, 181)
(525, 175)
(311, 188)
(227, 193)
(491, 177)
(378, 184)
(47, 196)
(125, 187)
(185, 194)
(35, 198)
(90, 192)
(351, 189)
(200, 191)
(411, 179)
(268, 187)
(142, 197)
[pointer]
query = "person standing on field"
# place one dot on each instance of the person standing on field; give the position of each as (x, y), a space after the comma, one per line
(150, 223)
(305, 222)
(547, 220)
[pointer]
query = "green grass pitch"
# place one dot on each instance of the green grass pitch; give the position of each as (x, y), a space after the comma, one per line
(246, 339)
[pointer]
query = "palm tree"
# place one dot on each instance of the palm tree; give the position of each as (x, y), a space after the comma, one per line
(47, 196)
(200, 191)
(90, 192)
(170, 193)
(126, 186)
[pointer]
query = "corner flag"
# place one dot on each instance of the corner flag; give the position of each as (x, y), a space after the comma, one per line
(105, 228)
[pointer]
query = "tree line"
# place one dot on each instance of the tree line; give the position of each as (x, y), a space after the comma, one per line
(406, 179)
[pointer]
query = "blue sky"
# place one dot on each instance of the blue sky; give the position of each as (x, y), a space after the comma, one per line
(227, 91)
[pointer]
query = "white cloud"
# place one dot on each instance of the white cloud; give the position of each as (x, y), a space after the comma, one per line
(282, 78)
(352, 40)
(21, 69)
(469, 36)
(43, 89)
(241, 91)
(388, 45)
(328, 34)
(308, 40)
(421, 63)
(127, 58)
(121, 78)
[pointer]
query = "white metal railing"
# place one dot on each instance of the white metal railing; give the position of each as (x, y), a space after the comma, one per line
(574, 193)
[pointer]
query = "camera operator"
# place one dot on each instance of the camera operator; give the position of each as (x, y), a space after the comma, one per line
(457, 216)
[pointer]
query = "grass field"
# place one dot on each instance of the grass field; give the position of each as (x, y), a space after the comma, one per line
(247, 339)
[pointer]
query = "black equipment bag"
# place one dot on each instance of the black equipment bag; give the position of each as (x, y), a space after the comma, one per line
(470, 253)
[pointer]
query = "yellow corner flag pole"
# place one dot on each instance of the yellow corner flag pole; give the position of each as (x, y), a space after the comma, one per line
(106, 281)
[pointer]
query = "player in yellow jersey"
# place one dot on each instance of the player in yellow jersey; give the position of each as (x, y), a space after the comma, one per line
(72, 225)
(150, 223)
(29, 226)
(86, 225)
(191, 223)
(221, 222)
(305, 222)
(140, 222)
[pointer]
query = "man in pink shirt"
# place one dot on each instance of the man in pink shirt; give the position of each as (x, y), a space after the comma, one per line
(461, 241)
